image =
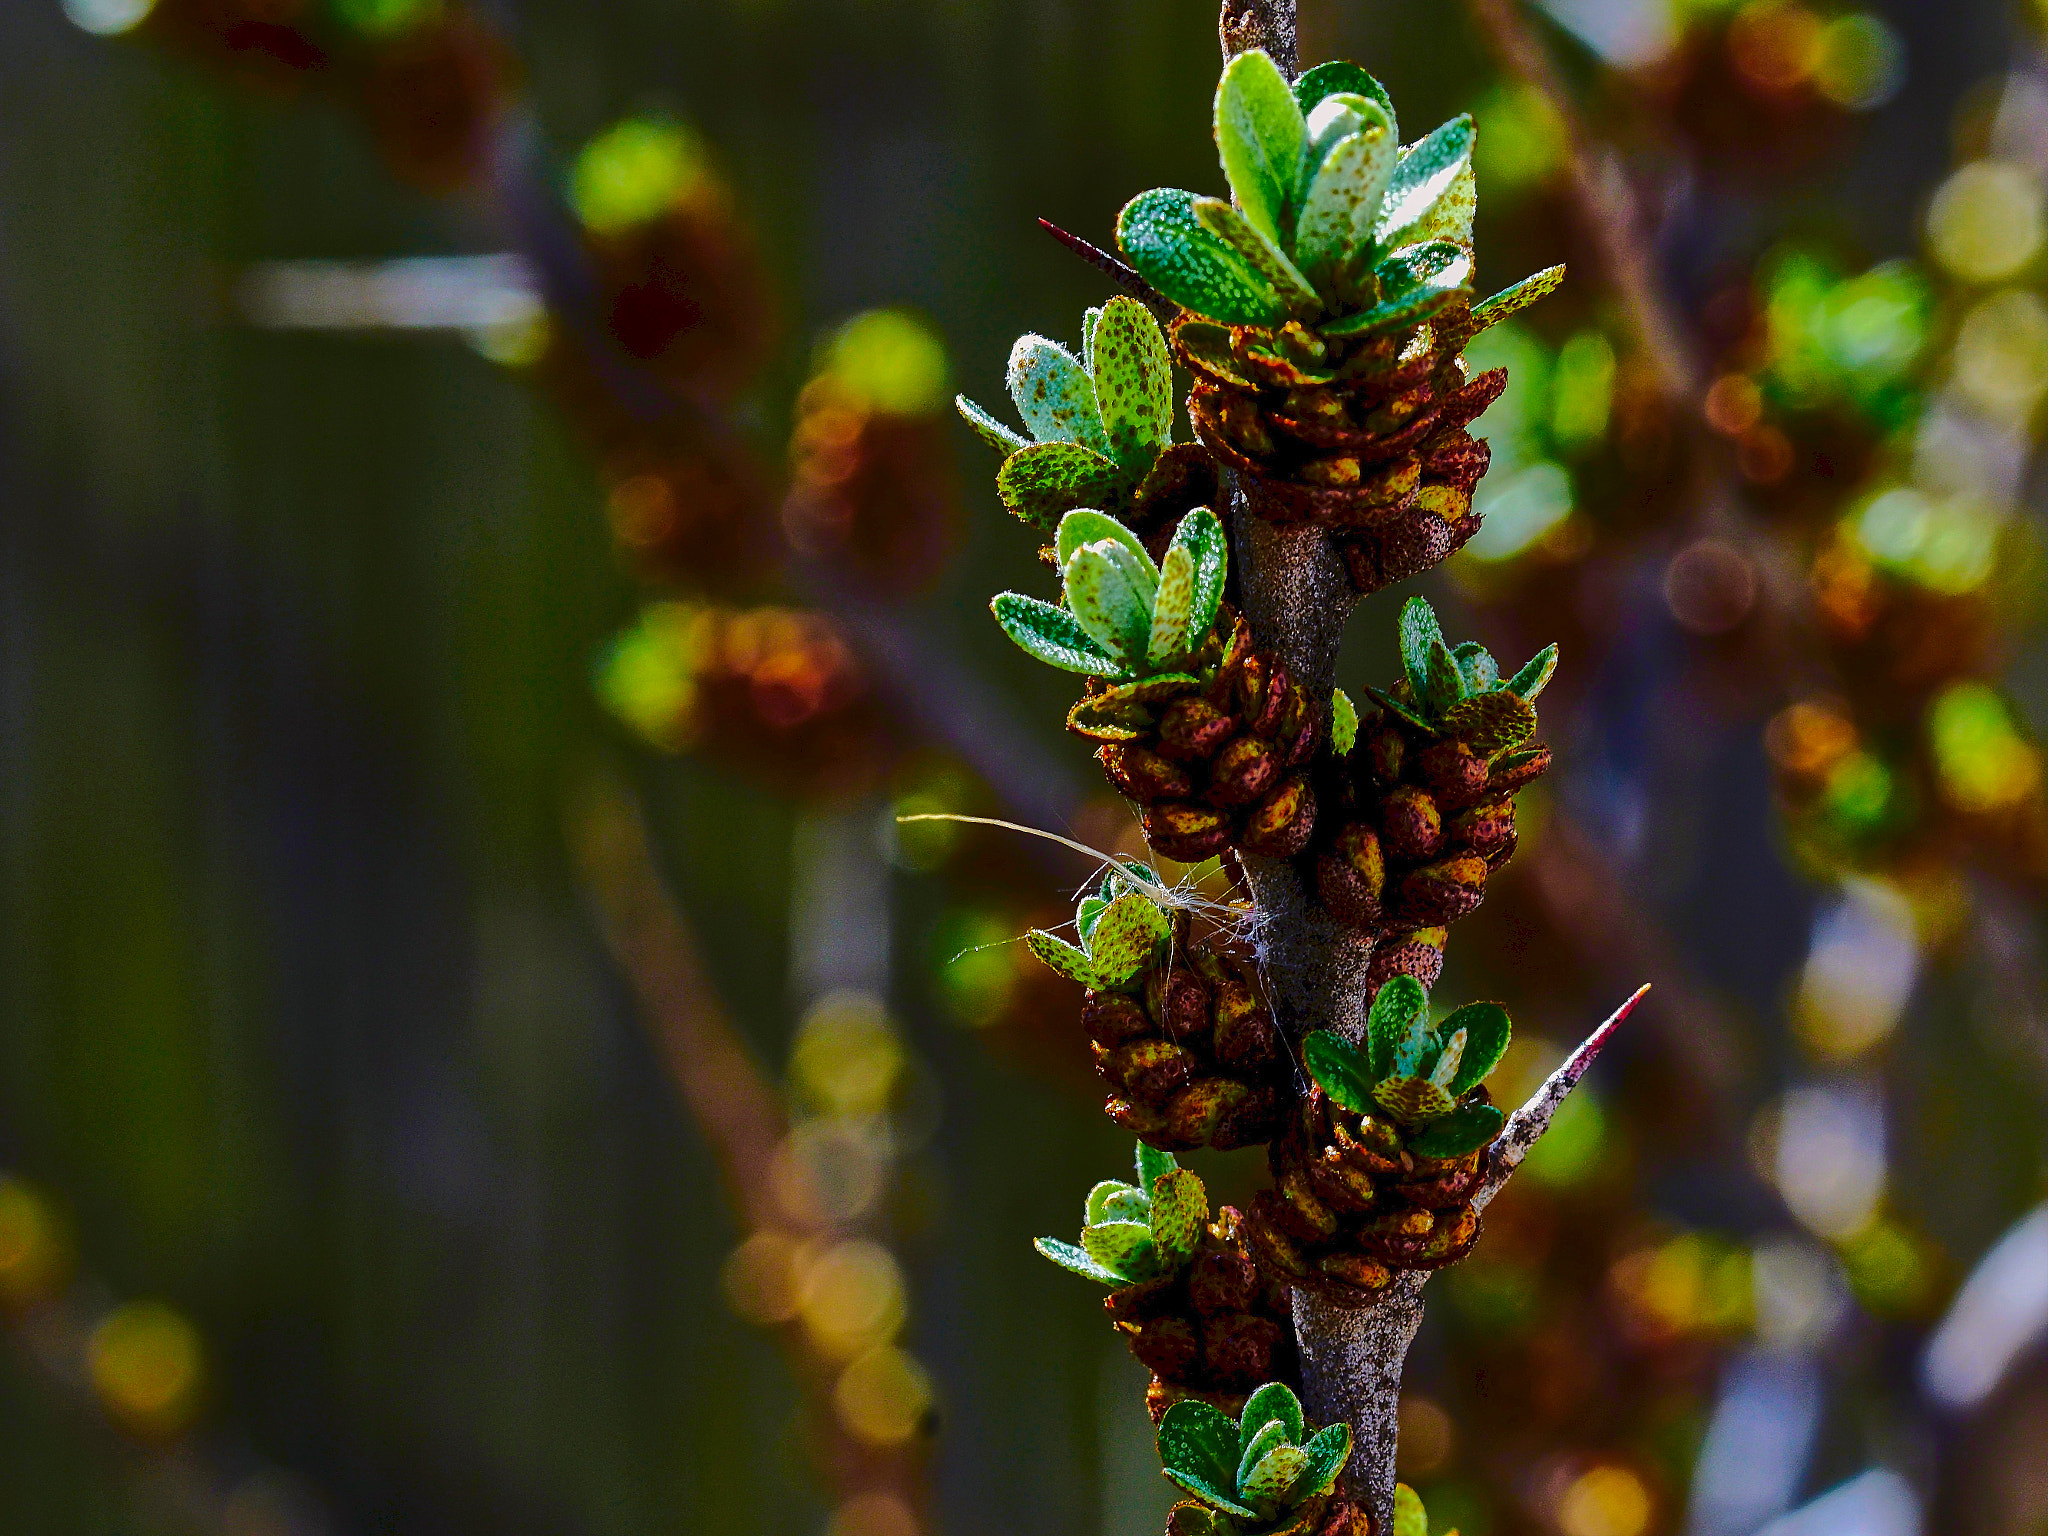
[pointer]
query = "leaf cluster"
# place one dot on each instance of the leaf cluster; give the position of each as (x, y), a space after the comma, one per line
(1458, 691)
(1120, 929)
(1262, 1475)
(1134, 1233)
(1416, 1074)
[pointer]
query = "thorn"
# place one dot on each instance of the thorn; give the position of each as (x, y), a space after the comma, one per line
(1119, 272)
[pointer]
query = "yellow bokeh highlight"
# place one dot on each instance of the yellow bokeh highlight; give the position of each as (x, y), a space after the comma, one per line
(635, 172)
(1605, 1501)
(889, 360)
(1986, 222)
(147, 1366)
(1984, 763)
(1858, 61)
(35, 1257)
(760, 1278)
(847, 1057)
(1692, 1284)
(2001, 356)
(884, 1396)
(1887, 1270)
(1428, 1439)
(851, 1298)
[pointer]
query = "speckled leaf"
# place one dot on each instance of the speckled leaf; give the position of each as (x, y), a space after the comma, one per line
(1425, 174)
(1445, 1067)
(1398, 1005)
(1465, 1129)
(1160, 236)
(1201, 534)
(1114, 1200)
(1126, 937)
(1260, 137)
(1415, 282)
(1515, 297)
(1198, 1448)
(1067, 1256)
(1191, 1519)
(1413, 1100)
(1488, 1030)
(1328, 1450)
(1153, 690)
(1043, 481)
(1340, 205)
(1513, 760)
(1450, 218)
(1417, 1048)
(1133, 383)
(1153, 1165)
(1535, 677)
(1105, 596)
(1102, 719)
(1446, 683)
(1069, 961)
(1343, 723)
(1346, 1076)
(1180, 1207)
(1004, 440)
(1054, 394)
(1123, 1247)
(1410, 1519)
(1258, 249)
(1477, 664)
(1089, 909)
(1173, 609)
(1275, 1474)
(1257, 1440)
(1274, 1403)
(1340, 75)
(1400, 711)
(1491, 722)
(1209, 344)
(1419, 631)
(1052, 635)
(1087, 526)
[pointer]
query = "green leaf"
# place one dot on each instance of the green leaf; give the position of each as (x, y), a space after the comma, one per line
(1339, 75)
(1425, 174)
(1480, 670)
(1054, 394)
(1088, 911)
(1400, 711)
(1259, 251)
(1275, 1473)
(1067, 1256)
(1345, 1074)
(1189, 1519)
(1450, 218)
(1416, 1047)
(1043, 481)
(1257, 1440)
(1274, 1403)
(1090, 318)
(1133, 382)
(1491, 722)
(1053, 636)
(1180, 1209)
(1465, 1129)
(1109, 601)
(1341, 202)
(1409, 1516)
(1198, 1446)
(1126, 937)
(1160, 236)
(1153, 1165)
(1419, 631)
(1003, 439)
(1124, 1247)
(1328, 1450)
(1488, 1031)
(1087, 526)
(1072, 963)
(1399, 1003)
(1173, 609)
(1446, 681)
(1343, 723)
(1411, 1100)
(1201, 534)
(1515, 297)
(1261, 137)
(1103, 1204)
(1415, 283)
(1535, 677)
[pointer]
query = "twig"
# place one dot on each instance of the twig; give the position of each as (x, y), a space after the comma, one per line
(1268, 24)
(1121, 273)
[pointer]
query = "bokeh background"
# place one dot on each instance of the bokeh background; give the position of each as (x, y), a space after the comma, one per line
(488, 555)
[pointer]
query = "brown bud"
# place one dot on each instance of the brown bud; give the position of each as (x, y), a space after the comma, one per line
(1455, 1234)
(1179, 999)
(1505, 781)
(1222, 1280)
(1140, 1119)
(1150, 1071)
(1445, 890)
(1410, 824)
(1200, 1111)
(1346, 1182)
(1264, 716)
(1455, 774)
(1386, 751)
(1247, 1042)
(1337, 470)
(1279, 826)
(1189, 833)
(1443, 1185)
(1344, 1518)
(1355, 1272)
(1299, 1213)
(1113, 1018)
(1487, 828)
(1418, 953)
(1167, 1345)
(1244, 425)
(1254, 670)
(1277, 1253)
(1243, 771)
(1192, 729)
(1144, 775)
(1237, 1349)
(1351, 874)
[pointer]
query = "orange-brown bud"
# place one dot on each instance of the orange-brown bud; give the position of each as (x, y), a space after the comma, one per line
(1192, 729)
(1243, 771)
(1410, 824)
(1189, 833)
(1351, 874)
(1279, 827)
(1445, 890)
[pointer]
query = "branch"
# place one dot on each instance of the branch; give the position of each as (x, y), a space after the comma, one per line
(1119, 272)
(1268, 24)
